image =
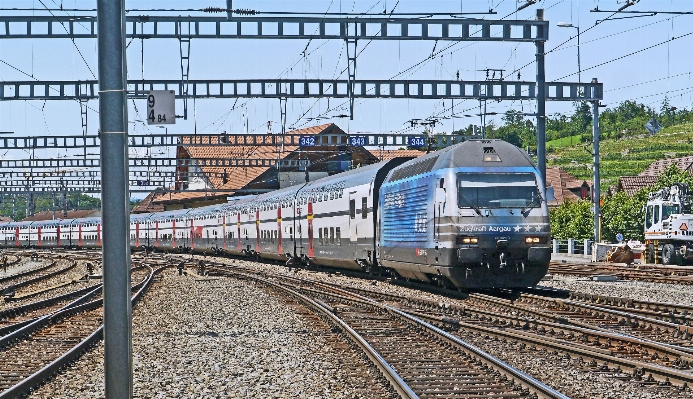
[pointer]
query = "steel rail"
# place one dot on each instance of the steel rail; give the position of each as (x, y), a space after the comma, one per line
(637, 369)
(26, 273)
(542, 323)
(667, 375)
(527, 381)
(387, 371)
(626, 317)
(26, 385)
(42, 277)
(18, 310)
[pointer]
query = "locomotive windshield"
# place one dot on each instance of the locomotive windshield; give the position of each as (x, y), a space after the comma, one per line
(497, 190)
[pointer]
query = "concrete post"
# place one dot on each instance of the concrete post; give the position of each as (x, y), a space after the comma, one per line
(115, 201)
(571, 246)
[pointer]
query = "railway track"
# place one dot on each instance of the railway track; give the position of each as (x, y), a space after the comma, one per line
(37, 350)
(14, 318)
(419, 359)
(592, 347)
(648, 273)
(645, 323)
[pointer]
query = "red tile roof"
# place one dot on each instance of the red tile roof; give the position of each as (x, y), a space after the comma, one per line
(631, 184)
(148, 205)
(237, 177)
(386, 155)
(562, 183)
(656, 168)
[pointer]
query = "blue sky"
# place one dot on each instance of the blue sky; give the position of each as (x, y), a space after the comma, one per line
(647, 76)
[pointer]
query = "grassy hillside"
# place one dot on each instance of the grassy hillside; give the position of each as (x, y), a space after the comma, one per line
(624, 157)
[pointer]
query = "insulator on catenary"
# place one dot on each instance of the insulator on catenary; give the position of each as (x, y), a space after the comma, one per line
(236, 11)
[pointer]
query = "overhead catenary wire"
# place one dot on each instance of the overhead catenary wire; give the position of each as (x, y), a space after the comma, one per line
(628, 55)
(72, 39)
(426, 60)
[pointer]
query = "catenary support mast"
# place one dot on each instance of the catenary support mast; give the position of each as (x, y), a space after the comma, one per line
(115, 206)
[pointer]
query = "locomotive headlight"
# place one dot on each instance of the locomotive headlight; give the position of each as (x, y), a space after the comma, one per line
(532, 240)
(467, 240)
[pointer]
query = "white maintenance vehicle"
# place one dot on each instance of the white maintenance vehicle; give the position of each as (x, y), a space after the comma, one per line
(669, 226)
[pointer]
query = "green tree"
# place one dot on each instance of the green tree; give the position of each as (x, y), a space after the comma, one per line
(516, 130)
(572, 219)
(622, 213)
(667, 115)
(581, 121)
(627, 119)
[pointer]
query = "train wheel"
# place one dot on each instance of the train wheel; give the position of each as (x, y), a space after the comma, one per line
(669, 255)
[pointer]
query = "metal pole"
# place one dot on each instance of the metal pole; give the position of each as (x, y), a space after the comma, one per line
(579, 70)
(541, 104)
(597, 182)
(115, 204)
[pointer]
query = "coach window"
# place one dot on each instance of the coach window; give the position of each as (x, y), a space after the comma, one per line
(320, 236)
(364, 207)
(656, 214)
(352, 209)
(332, 235)
(338, 234)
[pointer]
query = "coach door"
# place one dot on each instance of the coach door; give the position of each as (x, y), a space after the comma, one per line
(353, 221)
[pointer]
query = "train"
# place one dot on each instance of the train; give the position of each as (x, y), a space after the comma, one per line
(472, 215)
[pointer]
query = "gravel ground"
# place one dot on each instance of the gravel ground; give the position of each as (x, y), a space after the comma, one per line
(222, 338)
(75, 273)
(567, 376)
(640, 290)
(217, 343)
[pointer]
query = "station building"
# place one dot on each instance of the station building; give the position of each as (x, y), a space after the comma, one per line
(202, 179)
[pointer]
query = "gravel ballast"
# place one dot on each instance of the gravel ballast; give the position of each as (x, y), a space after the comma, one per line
(223, 338)
(567, 376)
(226, 338)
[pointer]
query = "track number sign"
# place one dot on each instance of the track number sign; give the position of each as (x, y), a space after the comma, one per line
(417, 141)
(161, 107)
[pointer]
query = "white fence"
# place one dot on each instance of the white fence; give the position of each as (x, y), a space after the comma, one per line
(572, 246)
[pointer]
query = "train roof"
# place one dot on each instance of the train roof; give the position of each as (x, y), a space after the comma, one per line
(471, 153)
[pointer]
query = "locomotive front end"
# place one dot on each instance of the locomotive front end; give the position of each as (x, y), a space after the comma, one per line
(502, 228)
